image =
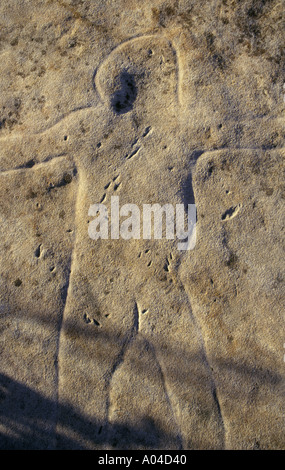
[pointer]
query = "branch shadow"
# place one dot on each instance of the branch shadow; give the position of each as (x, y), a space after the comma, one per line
(30, 431)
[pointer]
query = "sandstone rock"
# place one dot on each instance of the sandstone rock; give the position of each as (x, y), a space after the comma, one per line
(135, 344)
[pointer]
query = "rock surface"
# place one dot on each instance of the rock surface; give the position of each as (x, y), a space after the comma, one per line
(134, 344)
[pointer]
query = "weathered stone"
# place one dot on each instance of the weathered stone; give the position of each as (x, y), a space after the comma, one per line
(134, 344)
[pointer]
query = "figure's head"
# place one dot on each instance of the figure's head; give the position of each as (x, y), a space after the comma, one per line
(140, 75)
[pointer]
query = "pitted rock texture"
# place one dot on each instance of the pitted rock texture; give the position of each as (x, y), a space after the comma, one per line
(132, 343)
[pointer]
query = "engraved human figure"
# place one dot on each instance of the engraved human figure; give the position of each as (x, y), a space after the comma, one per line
(121, 358)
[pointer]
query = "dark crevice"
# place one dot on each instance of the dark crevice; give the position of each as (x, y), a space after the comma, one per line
(123, 99)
